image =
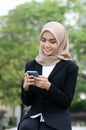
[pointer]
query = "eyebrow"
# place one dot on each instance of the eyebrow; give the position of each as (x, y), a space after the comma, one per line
(49, 39)
(53, 39)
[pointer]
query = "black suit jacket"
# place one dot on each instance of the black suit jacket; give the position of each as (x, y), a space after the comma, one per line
(54, 103)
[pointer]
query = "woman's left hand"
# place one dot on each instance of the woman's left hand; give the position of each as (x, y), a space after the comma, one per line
(42, 82)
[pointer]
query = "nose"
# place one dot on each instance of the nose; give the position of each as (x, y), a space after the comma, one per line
(47, 44)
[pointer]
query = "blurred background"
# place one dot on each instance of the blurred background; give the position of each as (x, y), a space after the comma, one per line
(19, 41)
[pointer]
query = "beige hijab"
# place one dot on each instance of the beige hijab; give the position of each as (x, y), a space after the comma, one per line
(61, 37)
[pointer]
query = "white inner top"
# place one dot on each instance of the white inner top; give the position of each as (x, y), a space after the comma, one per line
(46, 70)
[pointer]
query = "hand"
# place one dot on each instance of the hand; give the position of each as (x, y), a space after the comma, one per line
(42, 82)
(28, 80)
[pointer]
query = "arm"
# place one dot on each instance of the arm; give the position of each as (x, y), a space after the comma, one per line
(28, 96)
(63, 98)
(27, 88)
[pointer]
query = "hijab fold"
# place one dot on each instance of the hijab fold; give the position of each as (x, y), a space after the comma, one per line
(62, 53)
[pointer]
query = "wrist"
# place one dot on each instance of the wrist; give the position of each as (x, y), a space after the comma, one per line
(26, 88)
(48, 86)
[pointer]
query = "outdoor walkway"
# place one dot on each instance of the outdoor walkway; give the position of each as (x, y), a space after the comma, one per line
(74, 128)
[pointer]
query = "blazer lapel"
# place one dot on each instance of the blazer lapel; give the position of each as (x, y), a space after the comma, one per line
(57, 67)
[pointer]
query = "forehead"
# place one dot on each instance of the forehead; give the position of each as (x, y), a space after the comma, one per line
(47, 34)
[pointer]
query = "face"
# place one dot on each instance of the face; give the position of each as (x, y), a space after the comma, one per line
(48, 44)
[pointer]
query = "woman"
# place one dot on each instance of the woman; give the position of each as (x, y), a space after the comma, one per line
(51, 93)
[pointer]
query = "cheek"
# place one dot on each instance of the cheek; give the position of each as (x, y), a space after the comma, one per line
(55, 47)
(41, 44)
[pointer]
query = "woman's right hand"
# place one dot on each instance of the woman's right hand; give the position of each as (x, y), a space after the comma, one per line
(28, 80)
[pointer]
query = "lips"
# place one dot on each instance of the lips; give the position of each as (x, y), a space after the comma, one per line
(47, 50)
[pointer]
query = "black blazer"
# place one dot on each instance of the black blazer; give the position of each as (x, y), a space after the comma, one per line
(54, 103)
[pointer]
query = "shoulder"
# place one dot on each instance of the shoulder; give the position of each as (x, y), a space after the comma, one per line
(68, 65)
(29, 63)
(71, 65)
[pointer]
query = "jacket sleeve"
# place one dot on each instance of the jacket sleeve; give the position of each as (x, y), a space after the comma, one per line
(27, 97)
(63, 98)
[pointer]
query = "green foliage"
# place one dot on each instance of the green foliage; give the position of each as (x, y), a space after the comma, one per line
(81, 85)
(78, 106)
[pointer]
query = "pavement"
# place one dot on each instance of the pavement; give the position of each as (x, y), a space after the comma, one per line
(73, 128)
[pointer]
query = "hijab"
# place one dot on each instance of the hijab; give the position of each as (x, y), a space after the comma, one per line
(62, 53)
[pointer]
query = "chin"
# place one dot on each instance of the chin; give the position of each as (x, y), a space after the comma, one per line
(48, 54)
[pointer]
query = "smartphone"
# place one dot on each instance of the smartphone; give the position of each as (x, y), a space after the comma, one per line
(34, 73)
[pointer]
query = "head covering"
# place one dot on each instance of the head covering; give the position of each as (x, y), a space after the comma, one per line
(62, 53)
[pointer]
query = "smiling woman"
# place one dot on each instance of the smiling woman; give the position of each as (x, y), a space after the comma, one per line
(51, 93)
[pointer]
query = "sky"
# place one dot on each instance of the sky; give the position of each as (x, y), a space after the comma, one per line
(6, 5)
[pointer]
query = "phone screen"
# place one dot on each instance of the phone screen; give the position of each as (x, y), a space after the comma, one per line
(34, 73)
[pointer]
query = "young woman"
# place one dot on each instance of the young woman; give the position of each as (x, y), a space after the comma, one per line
(51, 93)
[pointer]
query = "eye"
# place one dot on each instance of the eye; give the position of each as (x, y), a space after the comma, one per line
(52, 41)
(43, 39)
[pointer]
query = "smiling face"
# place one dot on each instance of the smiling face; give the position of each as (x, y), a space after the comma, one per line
(48, 43)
